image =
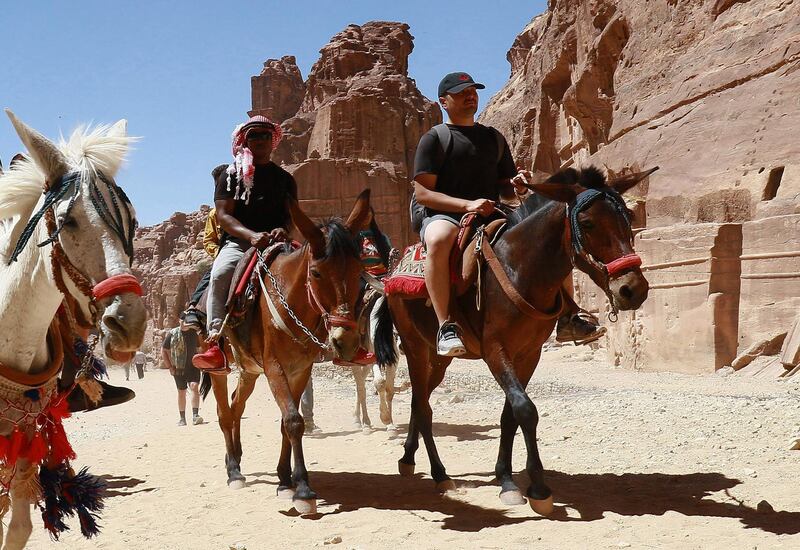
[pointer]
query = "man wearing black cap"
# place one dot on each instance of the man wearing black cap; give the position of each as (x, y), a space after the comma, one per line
(468, 173)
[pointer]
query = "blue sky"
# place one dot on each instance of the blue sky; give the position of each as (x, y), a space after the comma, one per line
(180, 71)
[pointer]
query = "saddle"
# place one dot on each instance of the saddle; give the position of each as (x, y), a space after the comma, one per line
(245, 289)
(408, 278)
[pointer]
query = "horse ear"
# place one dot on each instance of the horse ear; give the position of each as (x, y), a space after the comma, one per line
(44, 152)
(358, 220)
(624, 183)
(555, 191)
(308, 229)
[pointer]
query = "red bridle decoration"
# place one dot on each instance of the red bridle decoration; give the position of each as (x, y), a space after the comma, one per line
(623, 263)
(118, 284)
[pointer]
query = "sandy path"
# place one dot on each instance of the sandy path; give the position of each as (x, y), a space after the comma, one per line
(636, 460)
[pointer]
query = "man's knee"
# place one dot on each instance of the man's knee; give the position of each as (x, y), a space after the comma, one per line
(440, 236)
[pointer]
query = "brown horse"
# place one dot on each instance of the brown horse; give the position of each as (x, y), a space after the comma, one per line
(574, 219)
(306, 305)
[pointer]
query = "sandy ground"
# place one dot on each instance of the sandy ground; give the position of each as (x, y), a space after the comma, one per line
(639, 460)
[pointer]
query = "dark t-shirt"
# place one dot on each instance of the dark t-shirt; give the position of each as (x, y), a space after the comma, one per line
(266, 209)
(190, 341)
(471, 170)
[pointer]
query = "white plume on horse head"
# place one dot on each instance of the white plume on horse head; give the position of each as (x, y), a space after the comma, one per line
(99, 149)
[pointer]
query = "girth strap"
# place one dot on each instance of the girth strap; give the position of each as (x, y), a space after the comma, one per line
(513, 294)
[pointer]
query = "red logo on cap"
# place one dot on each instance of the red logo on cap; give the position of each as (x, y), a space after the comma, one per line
(463, 77)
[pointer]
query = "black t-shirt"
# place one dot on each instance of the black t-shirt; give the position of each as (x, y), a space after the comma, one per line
(266, 208)
(471, 170)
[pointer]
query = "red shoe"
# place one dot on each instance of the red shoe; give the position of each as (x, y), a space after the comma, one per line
(362, 357)
(213, 360)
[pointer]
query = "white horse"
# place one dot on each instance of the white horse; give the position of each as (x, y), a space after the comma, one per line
(382, 379)
(87, 231)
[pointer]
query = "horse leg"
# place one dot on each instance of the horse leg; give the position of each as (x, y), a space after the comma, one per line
(20, 526)
(509, 492)
(247, 383)
(417, 358)
(361, 417)
(293, 425)
(525, 413)
(285, 483)
(220, 386)
(425, 416)
(384, 384)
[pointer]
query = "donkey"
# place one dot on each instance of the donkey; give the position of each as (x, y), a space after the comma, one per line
(83, 261)
(306, 305)
(576, 219)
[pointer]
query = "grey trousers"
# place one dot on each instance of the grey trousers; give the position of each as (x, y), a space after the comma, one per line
(221, 275)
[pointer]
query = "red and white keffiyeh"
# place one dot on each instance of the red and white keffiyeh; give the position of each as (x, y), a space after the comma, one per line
(242, 164)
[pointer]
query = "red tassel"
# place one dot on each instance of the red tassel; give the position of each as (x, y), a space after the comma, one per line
(405, 286)
(37, 449)
(59, 409)
(60, 449)
(15, 446)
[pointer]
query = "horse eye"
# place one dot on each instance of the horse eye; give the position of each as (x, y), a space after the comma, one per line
(68, 221)
(315, 274)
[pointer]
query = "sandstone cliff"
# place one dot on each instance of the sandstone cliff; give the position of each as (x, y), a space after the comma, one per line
(707, 90)
(358, 119)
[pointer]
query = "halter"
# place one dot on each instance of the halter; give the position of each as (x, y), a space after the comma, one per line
(329, 319)
(114, 216)
(614, 268)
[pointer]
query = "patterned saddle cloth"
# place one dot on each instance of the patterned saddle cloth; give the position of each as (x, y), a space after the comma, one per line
(407, 280)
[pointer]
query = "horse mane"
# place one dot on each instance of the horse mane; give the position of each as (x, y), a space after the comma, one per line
(381, 244)
(340, 242)
(588, 178)
(87, 149)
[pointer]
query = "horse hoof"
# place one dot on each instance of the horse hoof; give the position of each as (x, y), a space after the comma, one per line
(366, 430)
(406, 470)
(391, 430)
(305, 507)
(512, 498)
(446, 486)
(236, 484)
(542, 507)
(285, 493)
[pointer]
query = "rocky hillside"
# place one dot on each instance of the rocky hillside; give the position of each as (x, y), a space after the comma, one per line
(707, 90)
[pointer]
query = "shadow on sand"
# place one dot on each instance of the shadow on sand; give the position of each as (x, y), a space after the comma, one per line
(591, 495)
(116, 485)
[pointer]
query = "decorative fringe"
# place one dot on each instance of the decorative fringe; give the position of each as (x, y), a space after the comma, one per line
(15, 446)
(90, 386)
(27, 485)
(405, 286)
(66, 494)
(60, 449)
(37, 449)
(5, 504)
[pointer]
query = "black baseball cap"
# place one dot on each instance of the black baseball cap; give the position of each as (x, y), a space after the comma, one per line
(456, 82)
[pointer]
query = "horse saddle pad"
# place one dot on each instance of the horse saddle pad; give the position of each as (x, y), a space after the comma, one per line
(408, 278)
(244, 284)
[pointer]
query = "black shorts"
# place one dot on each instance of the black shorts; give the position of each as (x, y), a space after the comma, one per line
(189, 375)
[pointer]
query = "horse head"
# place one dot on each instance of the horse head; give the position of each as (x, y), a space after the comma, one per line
(334, 267)
(599, 231)
(89, 224)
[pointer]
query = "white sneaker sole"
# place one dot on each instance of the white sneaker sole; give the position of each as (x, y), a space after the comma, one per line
(455, 351)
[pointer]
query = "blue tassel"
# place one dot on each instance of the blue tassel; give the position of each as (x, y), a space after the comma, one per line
(96, 367)
(66, 495)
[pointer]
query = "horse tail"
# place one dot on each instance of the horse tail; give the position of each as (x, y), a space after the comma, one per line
(205, 385)
(385, 351)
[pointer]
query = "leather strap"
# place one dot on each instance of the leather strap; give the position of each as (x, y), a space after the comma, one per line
(56, 352)
(516, 298)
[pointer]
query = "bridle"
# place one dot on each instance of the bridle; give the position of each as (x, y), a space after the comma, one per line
(116, 216)
(328, 318)
(606, 271)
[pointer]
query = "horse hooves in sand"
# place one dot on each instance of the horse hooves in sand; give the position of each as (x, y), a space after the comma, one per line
(512, 498)
(236, 484)
(446, 486)
(305, 507)
(285, 493)
(542, 507)
(406, 470)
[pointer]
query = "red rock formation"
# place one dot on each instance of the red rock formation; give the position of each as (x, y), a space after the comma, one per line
(707, 90)
(278, 91)
(358, 125)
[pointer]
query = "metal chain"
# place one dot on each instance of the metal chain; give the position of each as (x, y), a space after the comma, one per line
(291, 313)
(91, 342)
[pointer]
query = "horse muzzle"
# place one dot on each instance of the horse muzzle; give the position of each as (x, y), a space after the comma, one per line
(123, 325)
(629, 290)
(344, 341)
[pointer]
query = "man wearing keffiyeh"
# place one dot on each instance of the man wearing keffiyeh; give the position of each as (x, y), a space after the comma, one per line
(250, 197)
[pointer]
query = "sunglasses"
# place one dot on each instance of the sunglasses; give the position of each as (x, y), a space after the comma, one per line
(259, 136)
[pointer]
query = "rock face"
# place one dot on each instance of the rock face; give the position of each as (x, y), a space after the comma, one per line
(708, 91)
(169, 260)
(278, 91)
(356, 125)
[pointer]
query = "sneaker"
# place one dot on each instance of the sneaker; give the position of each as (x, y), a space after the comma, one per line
(197, 420)
(448, 342)
(182, 422)
(581, 328)
(212, 360)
